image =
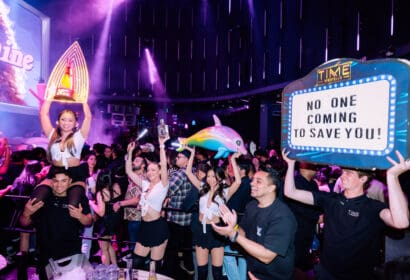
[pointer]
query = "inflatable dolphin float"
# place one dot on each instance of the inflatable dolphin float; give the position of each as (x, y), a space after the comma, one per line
(219, 138)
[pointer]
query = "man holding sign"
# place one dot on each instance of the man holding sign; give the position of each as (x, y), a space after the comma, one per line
(353, 222)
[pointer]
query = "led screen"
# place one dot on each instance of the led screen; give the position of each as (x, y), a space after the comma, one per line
(24, 39)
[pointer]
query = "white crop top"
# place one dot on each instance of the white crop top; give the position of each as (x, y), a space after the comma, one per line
(57, 155)
(154, 199)
(213, 209)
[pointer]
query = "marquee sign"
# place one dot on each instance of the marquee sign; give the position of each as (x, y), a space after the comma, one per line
(349, 113)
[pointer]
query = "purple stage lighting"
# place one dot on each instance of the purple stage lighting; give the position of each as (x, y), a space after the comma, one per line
(152, 69)
(251, 9)
(154, 78)
(99, 62)
(204, 10)
(81, 16)
(99, 134)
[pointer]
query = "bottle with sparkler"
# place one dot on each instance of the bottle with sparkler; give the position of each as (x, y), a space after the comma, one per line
(65, 89)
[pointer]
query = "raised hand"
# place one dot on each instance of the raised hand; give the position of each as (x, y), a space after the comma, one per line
(40, 94)
(237, 154)
(285, 157)
(131, 146)
(186, 147)
(162, 140)
(398, 167)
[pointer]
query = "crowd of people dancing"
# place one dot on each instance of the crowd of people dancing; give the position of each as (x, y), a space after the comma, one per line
(255, 216)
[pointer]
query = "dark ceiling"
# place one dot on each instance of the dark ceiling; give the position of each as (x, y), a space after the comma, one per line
(208, 50)
(218, 56)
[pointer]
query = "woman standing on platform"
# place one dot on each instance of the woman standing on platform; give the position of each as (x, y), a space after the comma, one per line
(212, 194)
(153, 235)
(66, 142)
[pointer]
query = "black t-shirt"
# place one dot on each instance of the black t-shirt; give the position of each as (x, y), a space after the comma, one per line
(58, 234)
(306, 217)
(241, 197)
(273, 227)
(309, 214)
(352, 234)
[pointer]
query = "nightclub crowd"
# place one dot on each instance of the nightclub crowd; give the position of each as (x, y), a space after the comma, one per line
(188, 215)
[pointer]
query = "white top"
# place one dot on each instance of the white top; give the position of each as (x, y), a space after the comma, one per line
(57, 154)
(213, 209)
(154, 198)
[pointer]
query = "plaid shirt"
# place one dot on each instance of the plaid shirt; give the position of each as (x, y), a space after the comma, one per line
(179, 186)
(132, 213)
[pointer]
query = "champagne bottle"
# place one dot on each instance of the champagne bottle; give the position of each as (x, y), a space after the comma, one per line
(65, 88)
(163, 131)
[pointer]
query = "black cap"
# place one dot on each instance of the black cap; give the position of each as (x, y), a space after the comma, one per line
(186, 153)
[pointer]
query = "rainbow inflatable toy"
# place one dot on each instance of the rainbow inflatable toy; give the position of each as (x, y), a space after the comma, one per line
(222, 139)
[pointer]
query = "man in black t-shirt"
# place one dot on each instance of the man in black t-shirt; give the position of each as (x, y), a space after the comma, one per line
(58, 224)
(353, 222)
(266, 231)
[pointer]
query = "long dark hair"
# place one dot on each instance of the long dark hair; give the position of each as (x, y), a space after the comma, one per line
(220, 178)
(105, 181)
(95, 168)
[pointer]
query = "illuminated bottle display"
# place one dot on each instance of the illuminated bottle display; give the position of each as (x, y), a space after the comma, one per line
(163, 131)
(65, 88)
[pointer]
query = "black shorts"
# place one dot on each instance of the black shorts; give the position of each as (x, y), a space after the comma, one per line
(208, 240)
(153, 233)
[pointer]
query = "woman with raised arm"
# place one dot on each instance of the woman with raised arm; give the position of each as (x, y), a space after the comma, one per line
(153, 235)
(213, 193)
(66, 141)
